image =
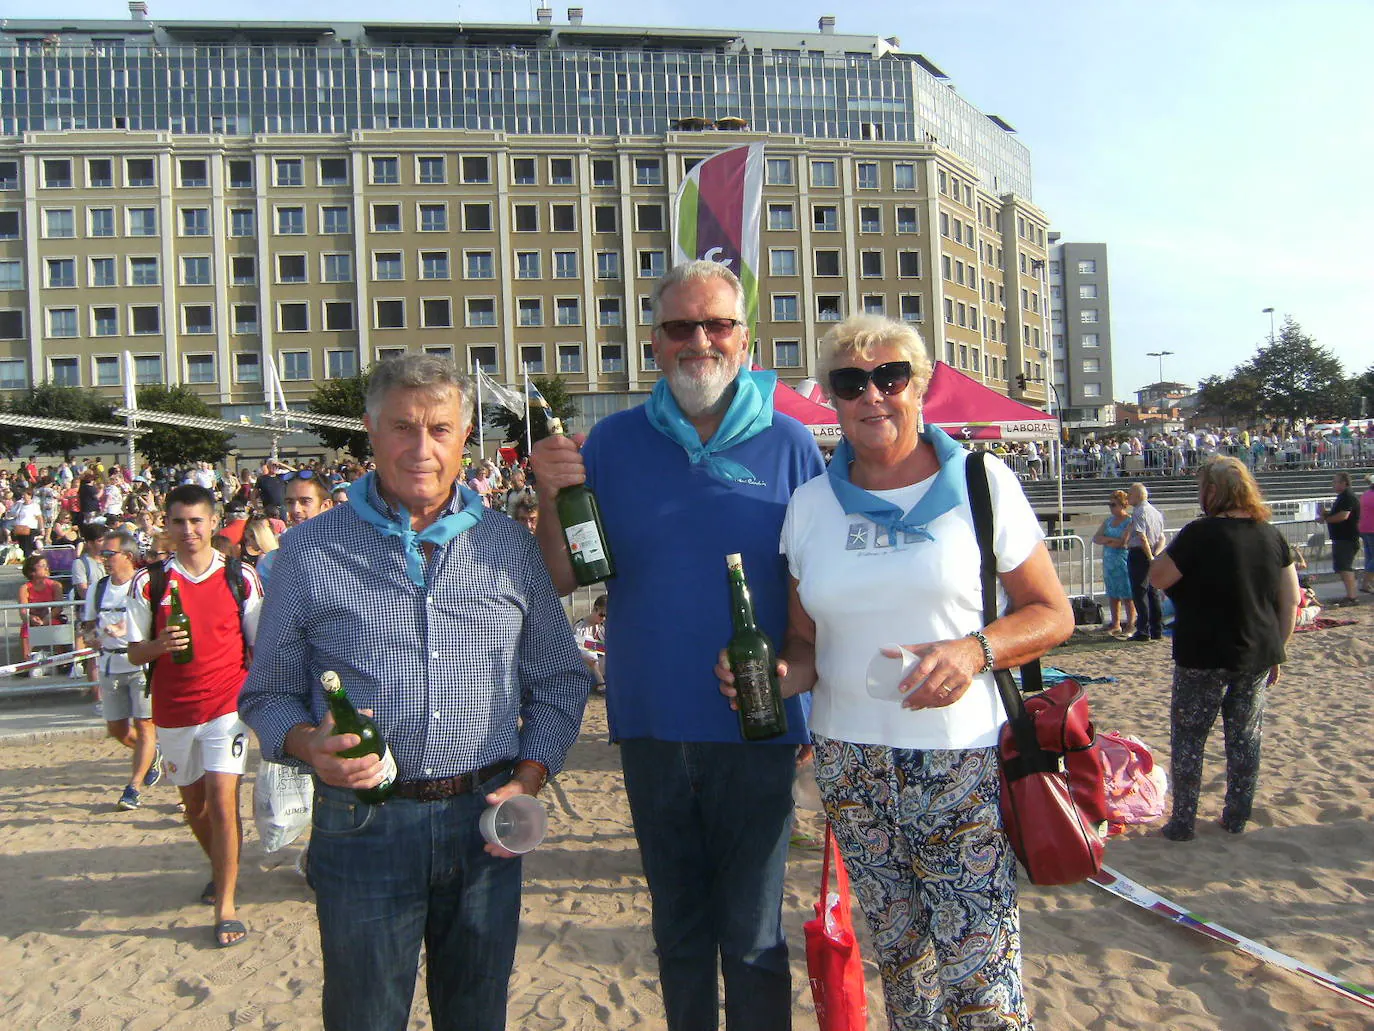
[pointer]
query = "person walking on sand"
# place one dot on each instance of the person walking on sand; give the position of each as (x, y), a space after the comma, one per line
(195, 702)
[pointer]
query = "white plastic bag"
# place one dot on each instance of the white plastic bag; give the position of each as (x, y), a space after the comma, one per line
(283, 797)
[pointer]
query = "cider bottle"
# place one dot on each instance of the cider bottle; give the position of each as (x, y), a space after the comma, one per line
(348, 720)
(580, 516)
(754, 664)
(178, 620)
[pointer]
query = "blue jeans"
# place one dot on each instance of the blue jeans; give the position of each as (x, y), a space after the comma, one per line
(388, 877)
(1149, 613)
(713, 822)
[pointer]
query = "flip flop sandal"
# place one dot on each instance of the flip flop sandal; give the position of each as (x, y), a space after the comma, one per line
(230, 927)
(207, 894)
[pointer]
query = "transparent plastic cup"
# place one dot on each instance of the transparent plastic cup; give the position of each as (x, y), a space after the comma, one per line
(518, 824)
(885, 674)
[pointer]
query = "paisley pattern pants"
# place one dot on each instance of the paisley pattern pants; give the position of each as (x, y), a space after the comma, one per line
(1198, 696)
(922, 840)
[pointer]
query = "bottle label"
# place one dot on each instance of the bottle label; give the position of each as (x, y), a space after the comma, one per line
(584, 543)
(754, 691)
(388, 771)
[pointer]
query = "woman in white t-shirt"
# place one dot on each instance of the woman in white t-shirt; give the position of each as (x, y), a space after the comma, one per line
(882, 552)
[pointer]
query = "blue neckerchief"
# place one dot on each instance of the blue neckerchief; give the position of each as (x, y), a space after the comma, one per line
(438, 533)
(947, 492)
(749, 414)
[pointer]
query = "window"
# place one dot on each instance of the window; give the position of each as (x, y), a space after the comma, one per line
(477, 217)
(870, 219)
(532, 357)
(61, 272)
(825, 218)
(288, 172)
(434, 265)
(652, 264)
(57, 173)
(609, 312)
(646, 310)
(563, 218)
(782, 261)
(335, 220)
(59, 223)
(293, 317)
(828, 308)
(62, 322)
(649, 218)
(907, 220)
(12, 325)
(291, 268)
(475, 168)
(12, 274)
(241, 174)
(908, 264)
(1089, 340)
(9, 225)
(778, 172)
(481, 311)
(604, 218)
(903, 176)
(386, 171)
(195, 270)
(564, 264)
(389, 314)
(433, 218)
(824, 173)
(386, 218)
(333, 171)
(1087, 267)
(341, 364)
(295, 365)
(245, 317)
(146, 320)
(612, 358)
(65, 372)
(197, 320)
(785, 308)
(100, 222)
(529, 311)
(827, 263)
(1087, 291)
(478, 265)
(607, 264)
(338, 316)
(1088, 315)
(247, 367)
(291, 221)
(383, 353)
(107, 367)
(243, 222)
(526, 218)
(1092, 389)
(144, 271)
(786, 354)
(523, 171)
(910, 307)
(193, 172)
(781, 217)
(195, 221)
(567, 311)
(482, 356)
(336, 268)
(560, 171)
(99, 173)
(570, 358)
(871, 264)
(527, 265)
(9, 175)
(147, 369)
(867, 175)
(1092, 364)
(387, 265)
(603, 174)
(243, 270)
(430, 170)
(648, 172)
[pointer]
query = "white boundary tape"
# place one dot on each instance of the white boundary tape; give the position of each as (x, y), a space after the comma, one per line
(50, 660)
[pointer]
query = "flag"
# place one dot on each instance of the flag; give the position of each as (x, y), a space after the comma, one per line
(495, 393)
(716, 216)
(535, 397)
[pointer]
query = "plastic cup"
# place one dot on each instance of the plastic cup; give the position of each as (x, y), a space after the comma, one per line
(885, 674)
(518, 824)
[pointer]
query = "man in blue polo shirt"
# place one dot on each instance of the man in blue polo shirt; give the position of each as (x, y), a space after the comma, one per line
(703, 469)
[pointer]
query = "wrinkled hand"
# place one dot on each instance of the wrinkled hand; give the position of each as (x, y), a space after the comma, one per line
(727, 678)
(521, 783)
(943, 673)
(557, 463)
(322, 748)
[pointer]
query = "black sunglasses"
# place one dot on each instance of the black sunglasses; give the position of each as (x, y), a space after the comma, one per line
(682, 330)
(889, 377)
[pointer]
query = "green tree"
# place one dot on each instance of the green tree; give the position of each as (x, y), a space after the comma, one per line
(1363, 385)
(1297, 378)
(73, 404)
(345, 398)
(165, 445)
(1232, 398)
(555, 391)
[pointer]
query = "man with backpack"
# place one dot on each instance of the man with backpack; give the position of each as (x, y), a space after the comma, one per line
(195, 701)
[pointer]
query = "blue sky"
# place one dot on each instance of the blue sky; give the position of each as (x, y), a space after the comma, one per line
(1218, 147)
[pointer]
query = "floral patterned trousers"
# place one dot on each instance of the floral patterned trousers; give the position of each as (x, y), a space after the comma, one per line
(1198, 695)
(921, 835)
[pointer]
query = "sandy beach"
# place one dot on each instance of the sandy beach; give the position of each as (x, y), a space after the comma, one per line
(100, 927)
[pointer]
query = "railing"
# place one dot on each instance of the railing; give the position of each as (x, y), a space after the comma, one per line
(1330, 453)
(1068, 550)
(57, 646)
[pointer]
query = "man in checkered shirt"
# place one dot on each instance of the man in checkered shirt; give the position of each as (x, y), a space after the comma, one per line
(439, 616)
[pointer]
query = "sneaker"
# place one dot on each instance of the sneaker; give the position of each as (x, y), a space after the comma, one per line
(154, 773)
(131, 799)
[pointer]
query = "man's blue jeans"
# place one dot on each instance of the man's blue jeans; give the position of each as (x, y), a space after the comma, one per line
(713, 822)
(388, 877)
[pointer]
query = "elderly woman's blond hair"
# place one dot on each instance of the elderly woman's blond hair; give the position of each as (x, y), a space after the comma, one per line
(1227, 486)
(859, 336)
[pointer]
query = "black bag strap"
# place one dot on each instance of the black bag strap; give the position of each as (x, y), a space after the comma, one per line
(102, 585)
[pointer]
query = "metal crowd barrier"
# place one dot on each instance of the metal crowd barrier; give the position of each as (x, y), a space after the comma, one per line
(1069, 551)
(59, 645)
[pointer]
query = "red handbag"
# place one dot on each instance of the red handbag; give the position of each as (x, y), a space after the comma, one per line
(832, 954)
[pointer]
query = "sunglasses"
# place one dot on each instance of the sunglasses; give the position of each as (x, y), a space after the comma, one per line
(889, 377)
(681, 330)
(108, 554)
(298, 474)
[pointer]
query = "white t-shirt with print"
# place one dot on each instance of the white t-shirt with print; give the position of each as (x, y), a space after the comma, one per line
(112, 625)
(865, 592)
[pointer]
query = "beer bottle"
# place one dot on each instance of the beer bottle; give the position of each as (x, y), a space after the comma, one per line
(580, 516)
(348, 720)
(178, 620)
(754, 664)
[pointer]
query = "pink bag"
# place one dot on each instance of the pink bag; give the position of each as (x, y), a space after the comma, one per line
(1136, 786)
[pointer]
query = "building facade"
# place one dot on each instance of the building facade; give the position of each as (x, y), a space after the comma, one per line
(214, 196)
(1081, 317)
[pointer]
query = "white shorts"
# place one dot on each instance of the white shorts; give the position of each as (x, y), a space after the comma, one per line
(189, 753)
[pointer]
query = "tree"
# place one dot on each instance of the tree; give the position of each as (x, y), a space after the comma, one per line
(177, 446)
(345, 398)
(1297, 378)
(73, 404)
(555, 391)
(1233, 398)
(1363, 386)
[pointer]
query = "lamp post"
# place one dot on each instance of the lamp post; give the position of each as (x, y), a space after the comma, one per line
(1058, 451)
(1161, 355)
(1270, 313)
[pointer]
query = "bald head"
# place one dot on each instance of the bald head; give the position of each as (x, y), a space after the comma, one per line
(1137, 493)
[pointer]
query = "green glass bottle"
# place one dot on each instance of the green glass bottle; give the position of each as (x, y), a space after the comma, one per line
(754, 664)
(580, 516)
(178, 620)
(348, 720)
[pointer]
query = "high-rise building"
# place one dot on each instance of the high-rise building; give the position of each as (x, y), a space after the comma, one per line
(1081, 319)
(216, 195)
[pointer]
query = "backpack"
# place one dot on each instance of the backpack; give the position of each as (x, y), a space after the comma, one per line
(233, 574)
(1136, 786)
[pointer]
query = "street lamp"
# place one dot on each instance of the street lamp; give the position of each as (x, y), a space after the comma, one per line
(1270, 313)
(1161, 355)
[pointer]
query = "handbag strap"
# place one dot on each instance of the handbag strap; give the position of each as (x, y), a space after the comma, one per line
(825, 863)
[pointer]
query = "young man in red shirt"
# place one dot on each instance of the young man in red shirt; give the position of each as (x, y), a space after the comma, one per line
(195, 704)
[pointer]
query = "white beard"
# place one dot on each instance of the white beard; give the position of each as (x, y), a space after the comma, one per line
(707, 393)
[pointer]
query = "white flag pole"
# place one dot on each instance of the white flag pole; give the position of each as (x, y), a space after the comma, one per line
(529, 415)
(481, 436)
(131, 404)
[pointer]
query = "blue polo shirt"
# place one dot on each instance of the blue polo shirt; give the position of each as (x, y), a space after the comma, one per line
(670, 526)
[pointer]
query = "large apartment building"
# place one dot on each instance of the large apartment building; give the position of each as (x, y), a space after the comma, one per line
(213, 196)
(1081, 338)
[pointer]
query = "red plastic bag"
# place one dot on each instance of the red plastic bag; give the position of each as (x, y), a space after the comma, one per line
(832, 953)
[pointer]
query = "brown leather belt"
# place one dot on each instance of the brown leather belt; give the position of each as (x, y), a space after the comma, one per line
(447, 787)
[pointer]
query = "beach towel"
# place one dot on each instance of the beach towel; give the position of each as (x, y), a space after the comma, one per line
(1324, 623)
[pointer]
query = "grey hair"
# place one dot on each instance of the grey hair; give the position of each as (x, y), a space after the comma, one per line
(860, 335)
(124, 540)
(429, 374)
(699, 272)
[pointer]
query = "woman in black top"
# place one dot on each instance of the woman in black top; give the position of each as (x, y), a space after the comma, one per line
(1235, 595)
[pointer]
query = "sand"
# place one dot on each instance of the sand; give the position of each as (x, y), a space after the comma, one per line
(100, 928)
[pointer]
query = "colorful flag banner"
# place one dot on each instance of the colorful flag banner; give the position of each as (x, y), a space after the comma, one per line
(716, 216)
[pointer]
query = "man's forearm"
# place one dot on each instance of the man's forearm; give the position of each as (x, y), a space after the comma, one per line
(141, 653)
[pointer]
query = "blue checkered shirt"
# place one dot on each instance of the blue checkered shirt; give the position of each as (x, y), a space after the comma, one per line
(477, 666)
